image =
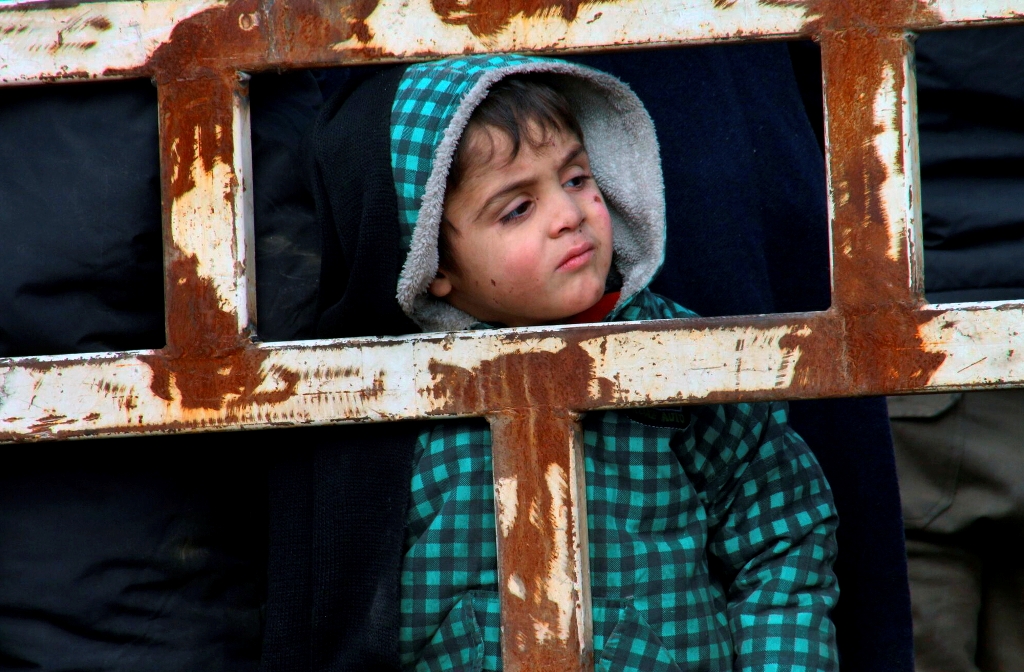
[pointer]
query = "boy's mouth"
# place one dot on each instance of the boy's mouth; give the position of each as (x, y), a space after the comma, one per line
(578, 255)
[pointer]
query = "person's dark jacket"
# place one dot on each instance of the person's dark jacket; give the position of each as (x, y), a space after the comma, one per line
(970, 87)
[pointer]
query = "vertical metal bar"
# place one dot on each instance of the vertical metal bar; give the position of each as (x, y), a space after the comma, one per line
(540, 502)
(204, 129)
(912, 169)
(871, 170)
(208, 361)
(869, 122)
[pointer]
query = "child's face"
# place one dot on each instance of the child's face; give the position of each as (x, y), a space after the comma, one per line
(533, 241)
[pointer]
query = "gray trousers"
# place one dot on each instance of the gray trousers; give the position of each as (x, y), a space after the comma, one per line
(960, 459)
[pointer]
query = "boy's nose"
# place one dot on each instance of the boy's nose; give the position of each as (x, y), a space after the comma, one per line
(568, 216)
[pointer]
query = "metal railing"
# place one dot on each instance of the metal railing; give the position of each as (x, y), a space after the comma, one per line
(878, 337)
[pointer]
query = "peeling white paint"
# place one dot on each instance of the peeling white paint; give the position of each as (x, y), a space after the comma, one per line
(700, 361)
(342, 378)
(411, 27)
(244, 208)
(541, 630)
(516, 586)
(87, 39)
(54, 43)
(580, 539)
(209, 222)
(983, 345)
(889, 111)
(970, 11)
(506, 497)
(560, 582)
(912, 169)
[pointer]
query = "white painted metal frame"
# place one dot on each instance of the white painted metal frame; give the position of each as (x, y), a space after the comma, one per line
(338, 381)
(878, 337)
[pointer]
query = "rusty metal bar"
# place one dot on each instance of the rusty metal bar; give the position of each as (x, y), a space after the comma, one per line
(878, 337)
(871, 200)
(204, 136)
(445, 376)
(117, 39)
(84, 41)
(540, 501)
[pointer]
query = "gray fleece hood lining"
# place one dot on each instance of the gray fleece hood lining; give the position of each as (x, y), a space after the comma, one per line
(623, 149)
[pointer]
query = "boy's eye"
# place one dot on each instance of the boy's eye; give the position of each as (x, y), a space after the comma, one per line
(576, 182)
(516, 213)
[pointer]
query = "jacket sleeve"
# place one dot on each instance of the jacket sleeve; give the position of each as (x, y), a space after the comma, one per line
(772, 527)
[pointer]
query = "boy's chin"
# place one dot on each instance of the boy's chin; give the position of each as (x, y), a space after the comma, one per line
(578, 308)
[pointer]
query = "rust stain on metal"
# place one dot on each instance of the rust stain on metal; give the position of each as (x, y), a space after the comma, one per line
(48, 421)
(838, 15)
(542, 579)
(99, 23)
(201, 46)
(196, 118)
(879, 320)
(489, 17)
(558, 379)
(870, 350)
(255, 32)
(323, 23)
(872, 289)
(206, 357)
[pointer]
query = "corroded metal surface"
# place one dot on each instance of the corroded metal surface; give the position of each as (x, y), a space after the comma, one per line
(40, 43)
(109, 39)
(878, 338)
(872, 174)
(540, 501)
(590, 367)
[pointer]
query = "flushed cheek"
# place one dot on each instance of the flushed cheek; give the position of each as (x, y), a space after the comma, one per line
(522, 264)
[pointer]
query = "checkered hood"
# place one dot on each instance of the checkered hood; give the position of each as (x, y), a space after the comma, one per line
(431, 109)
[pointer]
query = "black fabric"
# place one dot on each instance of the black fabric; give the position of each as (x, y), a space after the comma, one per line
(80, 219)
(748, 233)
(337, 512)
(287, 239)
(132, 554)
(970, 91)
(744, 181)
(338, 505)
(355, 195)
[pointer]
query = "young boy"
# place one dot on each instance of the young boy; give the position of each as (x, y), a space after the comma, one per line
(526, 191)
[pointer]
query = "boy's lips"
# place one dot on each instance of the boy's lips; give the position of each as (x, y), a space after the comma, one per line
(577, 256)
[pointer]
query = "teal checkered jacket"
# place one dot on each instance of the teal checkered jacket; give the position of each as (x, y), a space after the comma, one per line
(711, 529)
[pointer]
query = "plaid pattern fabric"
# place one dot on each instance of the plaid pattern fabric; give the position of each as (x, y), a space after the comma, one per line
(712, 535)
(427, 98)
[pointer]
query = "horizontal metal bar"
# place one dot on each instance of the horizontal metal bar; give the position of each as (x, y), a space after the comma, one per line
(966, 12)
(475, 373)
(86, 40)
(116, 39)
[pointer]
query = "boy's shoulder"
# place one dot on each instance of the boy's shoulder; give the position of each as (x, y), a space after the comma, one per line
(647, 305)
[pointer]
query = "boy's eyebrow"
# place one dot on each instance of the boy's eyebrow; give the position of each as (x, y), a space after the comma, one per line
(570, 155)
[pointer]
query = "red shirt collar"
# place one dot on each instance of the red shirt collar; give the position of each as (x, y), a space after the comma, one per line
(596, 312)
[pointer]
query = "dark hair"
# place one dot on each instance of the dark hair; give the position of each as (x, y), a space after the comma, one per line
(512, 106)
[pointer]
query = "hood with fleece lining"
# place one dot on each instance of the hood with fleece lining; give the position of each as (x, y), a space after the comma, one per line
(432, 106)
